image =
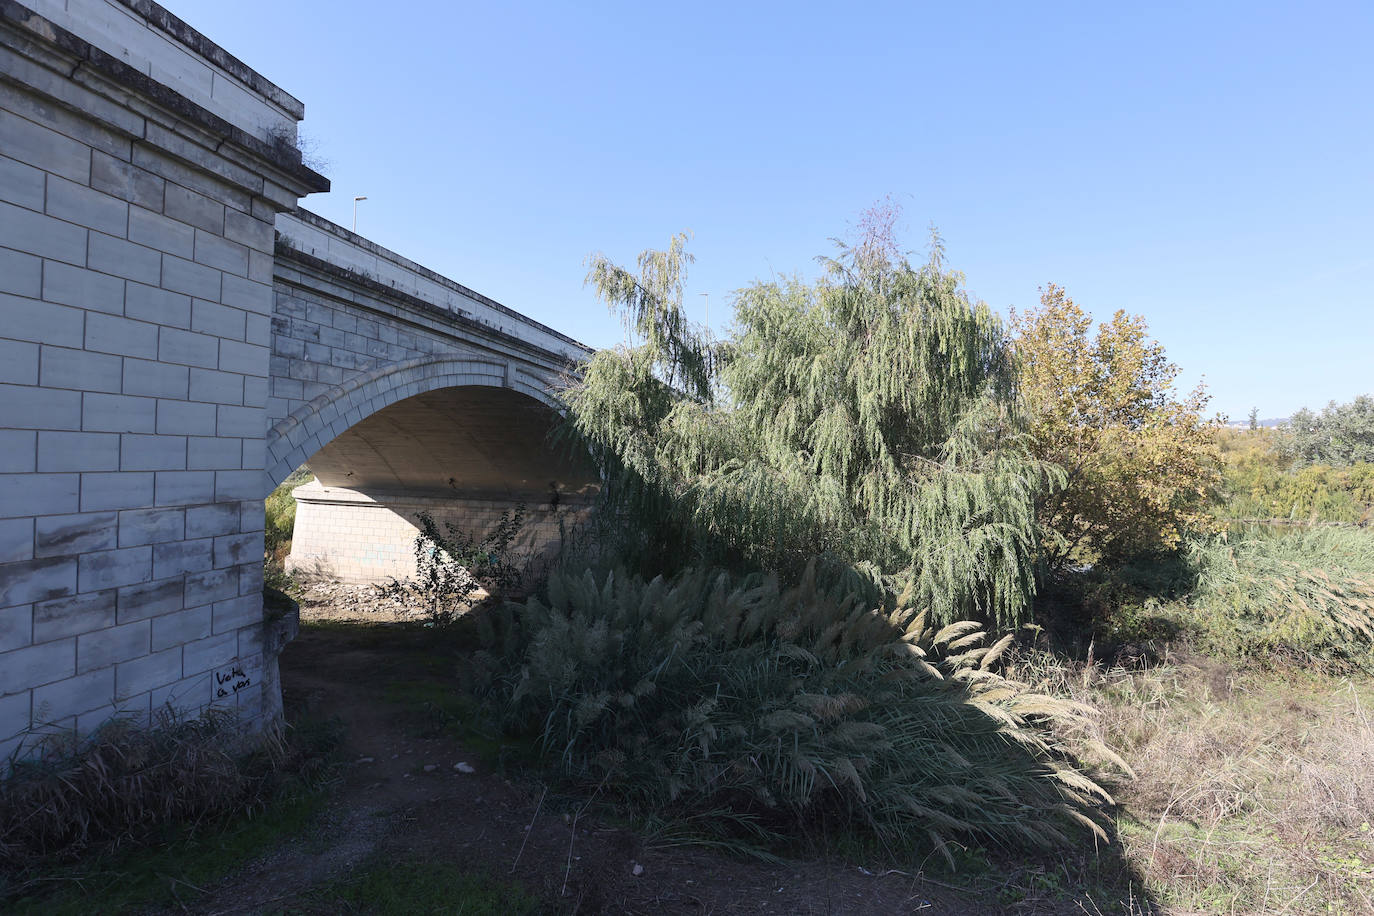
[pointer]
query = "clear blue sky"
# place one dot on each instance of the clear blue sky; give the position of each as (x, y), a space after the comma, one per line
(1210, 166)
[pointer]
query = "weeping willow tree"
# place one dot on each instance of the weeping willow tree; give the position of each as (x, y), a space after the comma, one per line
(866, 418)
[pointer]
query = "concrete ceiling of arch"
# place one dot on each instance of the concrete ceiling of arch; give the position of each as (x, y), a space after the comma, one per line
(470, 440)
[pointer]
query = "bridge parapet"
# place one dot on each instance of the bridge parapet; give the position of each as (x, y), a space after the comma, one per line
(153, 42)
(303, 232)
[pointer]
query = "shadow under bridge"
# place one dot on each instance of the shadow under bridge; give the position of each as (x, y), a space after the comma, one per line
(464, 454)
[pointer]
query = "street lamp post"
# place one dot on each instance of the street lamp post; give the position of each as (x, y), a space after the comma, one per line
(355, 212)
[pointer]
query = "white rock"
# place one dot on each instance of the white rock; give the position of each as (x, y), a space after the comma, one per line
(637, 870)
(463, 768)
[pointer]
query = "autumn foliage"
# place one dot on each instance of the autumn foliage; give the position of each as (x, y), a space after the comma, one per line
(1140, 460)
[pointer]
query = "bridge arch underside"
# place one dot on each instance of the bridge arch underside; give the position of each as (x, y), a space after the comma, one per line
(464, 454)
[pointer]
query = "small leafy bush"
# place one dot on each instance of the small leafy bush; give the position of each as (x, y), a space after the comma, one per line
(1136, 606)
(755, 711)
(451, 565)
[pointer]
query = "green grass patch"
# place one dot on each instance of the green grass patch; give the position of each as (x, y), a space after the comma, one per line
(436, 709)
(403, 888)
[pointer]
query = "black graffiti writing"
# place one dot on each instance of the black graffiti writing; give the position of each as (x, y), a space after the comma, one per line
(229, 675)
(235, 678)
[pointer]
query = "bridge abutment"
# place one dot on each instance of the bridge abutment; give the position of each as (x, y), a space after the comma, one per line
(367, 538)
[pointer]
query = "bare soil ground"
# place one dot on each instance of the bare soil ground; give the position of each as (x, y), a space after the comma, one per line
(403, 797)
(324, 600)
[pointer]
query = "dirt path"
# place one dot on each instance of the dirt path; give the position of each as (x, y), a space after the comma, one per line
(402, 798)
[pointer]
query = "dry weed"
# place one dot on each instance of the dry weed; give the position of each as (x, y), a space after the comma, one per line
(127, 779)
(1253, 799)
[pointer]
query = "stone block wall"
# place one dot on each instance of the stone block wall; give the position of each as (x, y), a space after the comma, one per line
(364, 538)
(319, 342)
(136, 261)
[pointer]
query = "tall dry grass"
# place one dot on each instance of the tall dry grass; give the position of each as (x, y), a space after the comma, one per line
(763, 712)
(1305, 594)
(127, 780)
(1253, 792)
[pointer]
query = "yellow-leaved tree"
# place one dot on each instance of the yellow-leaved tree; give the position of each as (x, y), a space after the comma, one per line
(1141, 462)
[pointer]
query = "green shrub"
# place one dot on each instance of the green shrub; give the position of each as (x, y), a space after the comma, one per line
(1342, 434)
(1128, 605)
(281, 511)
(1261, 481)
(759, 711)
(1314, 494)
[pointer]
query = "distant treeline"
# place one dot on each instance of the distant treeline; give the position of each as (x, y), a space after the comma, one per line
(1316, 468)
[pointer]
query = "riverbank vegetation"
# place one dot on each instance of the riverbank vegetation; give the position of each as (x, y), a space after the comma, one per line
(875, 448)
